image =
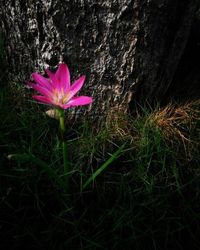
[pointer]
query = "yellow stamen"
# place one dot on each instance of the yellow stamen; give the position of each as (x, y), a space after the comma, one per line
(60, 97)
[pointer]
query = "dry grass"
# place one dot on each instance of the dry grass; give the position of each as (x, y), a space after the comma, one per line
(173, 120)
(117, 123)
(176, 124)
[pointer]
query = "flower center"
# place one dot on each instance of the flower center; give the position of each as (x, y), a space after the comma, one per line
(60, 97)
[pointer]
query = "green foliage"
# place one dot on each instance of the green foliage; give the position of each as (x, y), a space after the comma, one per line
(145, 194)
(110, 160)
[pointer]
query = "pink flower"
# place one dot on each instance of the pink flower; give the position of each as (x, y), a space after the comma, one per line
(56, 90)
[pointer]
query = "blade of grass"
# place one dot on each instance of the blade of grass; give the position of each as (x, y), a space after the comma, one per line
(22, 158)
(104, 165)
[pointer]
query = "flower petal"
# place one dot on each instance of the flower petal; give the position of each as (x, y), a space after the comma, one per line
(52, 77)
(78, 101)
(42, 99)
(42, 81)
(77, 85)
(63, 76)
(42, 90)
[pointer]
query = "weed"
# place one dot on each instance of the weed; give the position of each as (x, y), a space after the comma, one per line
(148, 198)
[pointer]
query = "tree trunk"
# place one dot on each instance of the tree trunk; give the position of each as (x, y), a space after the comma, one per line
(128, 49)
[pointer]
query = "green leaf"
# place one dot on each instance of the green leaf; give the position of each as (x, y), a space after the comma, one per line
(103, 166)
(22, 158)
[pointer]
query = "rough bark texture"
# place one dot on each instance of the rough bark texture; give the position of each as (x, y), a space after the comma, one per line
(165, 30)
(127, 48)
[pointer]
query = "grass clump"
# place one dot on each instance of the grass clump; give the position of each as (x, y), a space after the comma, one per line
(148, 198)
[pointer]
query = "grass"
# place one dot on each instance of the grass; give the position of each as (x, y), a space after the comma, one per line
(146, 198)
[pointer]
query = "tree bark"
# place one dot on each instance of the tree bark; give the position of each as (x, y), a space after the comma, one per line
(128, 49)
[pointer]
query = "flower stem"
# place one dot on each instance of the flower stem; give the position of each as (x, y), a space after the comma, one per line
(64, 144)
